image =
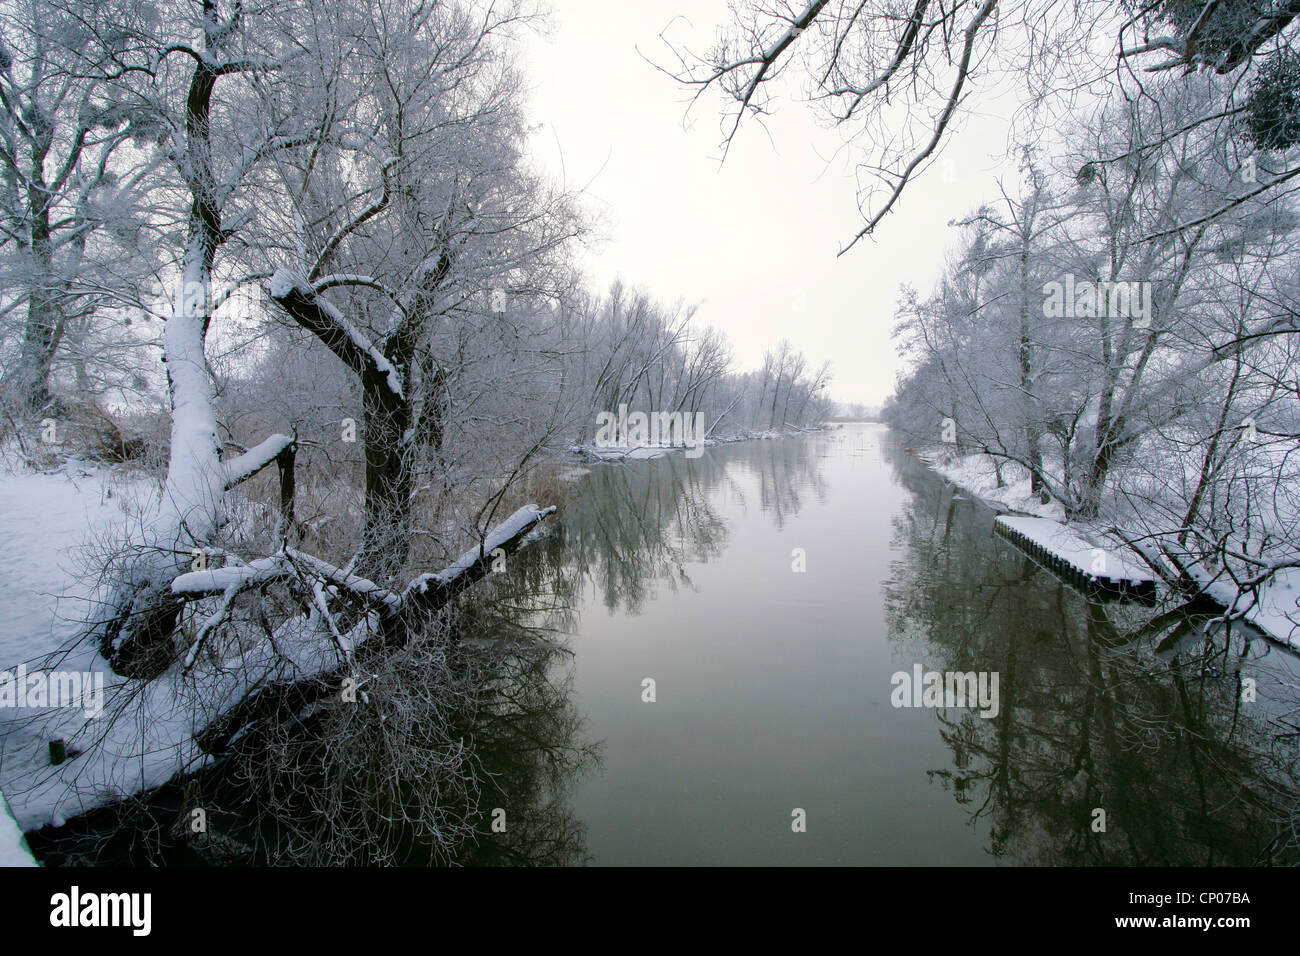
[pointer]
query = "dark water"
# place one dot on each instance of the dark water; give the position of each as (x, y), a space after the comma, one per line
(773, 687)
(773, 695)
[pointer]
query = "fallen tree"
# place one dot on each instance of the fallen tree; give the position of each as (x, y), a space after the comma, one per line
(154, 731)
(395, 618)
(206, 623)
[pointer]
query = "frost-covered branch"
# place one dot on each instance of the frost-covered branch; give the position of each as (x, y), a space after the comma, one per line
(244, 466)
(291, 290)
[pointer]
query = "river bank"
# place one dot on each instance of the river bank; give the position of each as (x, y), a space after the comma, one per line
(1271, 606)
(592, 453)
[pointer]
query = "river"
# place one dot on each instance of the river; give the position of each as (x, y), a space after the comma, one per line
(772, 591)
(772, 685)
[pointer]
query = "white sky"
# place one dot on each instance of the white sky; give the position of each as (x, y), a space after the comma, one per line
(745, 239)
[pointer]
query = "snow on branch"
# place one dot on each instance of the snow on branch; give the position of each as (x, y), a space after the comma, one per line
(286, 563)
(325, 283)
(507, 532)
(429, 276)
(902, 53)
(367, 591)
(296, 295)
(1187, 50)
(357, 221)
(182, 719)
(231, 581)
(250, 156)
(255, 459)
(232, 578)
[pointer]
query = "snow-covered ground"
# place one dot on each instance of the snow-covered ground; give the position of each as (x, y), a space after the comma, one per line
(146, 734)
(1278, 609)
(976, 474)
(13, 848)
(44, 519)
(1275, 610)
(1066, 543)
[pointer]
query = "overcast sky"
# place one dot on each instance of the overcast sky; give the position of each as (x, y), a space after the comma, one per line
(750, 238)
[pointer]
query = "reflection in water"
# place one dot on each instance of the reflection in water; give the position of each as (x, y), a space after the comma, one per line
(1113, 706)
(1091, 716)
(527, 739)
(640, 524)
(521, 739)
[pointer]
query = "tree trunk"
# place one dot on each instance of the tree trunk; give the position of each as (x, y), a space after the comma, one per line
(136, 637)
(43, 326)
(386, 541)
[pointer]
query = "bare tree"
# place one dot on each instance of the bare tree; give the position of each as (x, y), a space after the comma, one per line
(68, 209)
(894, 73)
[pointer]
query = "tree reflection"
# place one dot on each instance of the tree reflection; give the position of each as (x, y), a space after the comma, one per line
(635, 526)
(463, 747)
(1119, 707)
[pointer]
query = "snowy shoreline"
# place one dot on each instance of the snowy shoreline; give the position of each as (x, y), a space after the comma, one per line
(13, 845)
(596, 454)
(1275, 612)
(151, 734)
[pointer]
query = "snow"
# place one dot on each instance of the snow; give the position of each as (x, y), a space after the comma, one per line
(1075, 549)
(793, 33)
(517, 522)
(46, 517)
(352, 582)
(146, 734)
(231, 576)
(976, 474)
(13, 848)
(256, 457)
(194, 475)
(1275, 610)
(1278, 609)
(285, 281)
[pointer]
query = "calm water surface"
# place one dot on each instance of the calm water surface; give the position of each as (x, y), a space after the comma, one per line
(773, 694)
(773, 686)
